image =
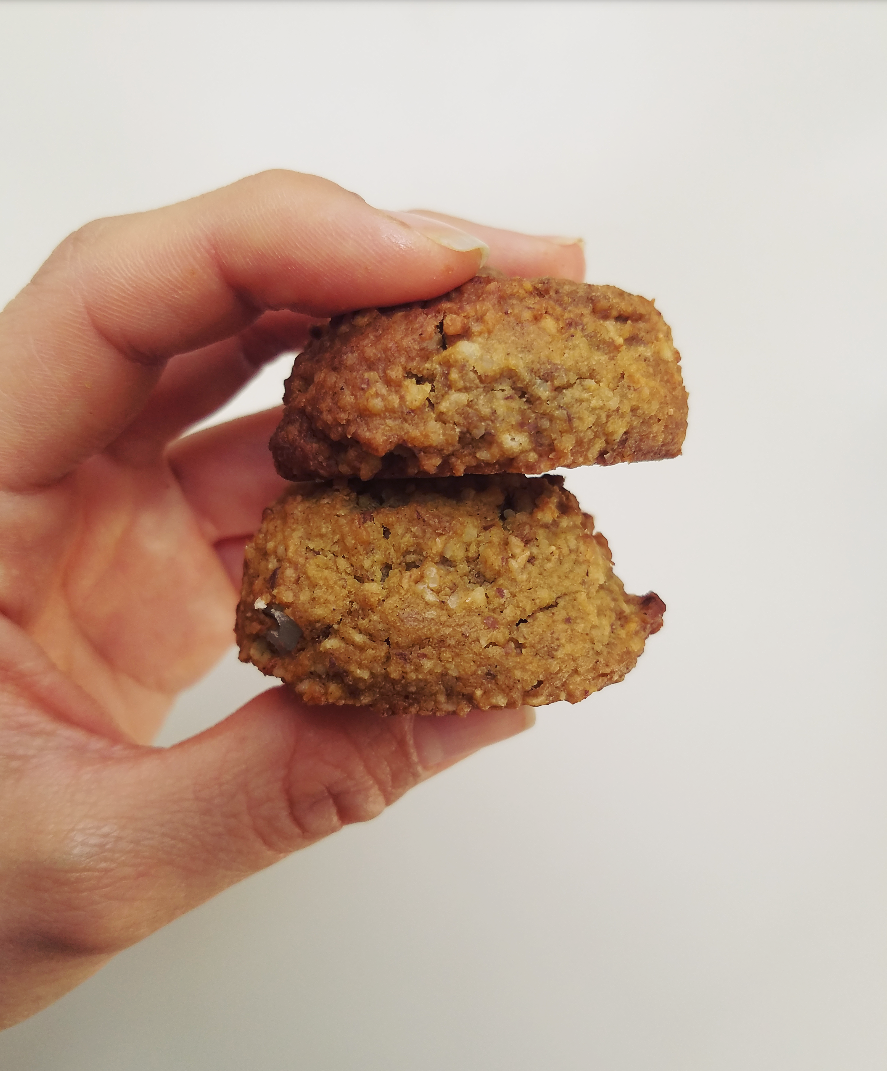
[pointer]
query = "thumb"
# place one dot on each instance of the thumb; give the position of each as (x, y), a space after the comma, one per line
(273, 778)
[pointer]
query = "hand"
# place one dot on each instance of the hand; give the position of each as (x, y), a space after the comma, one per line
(120, 552)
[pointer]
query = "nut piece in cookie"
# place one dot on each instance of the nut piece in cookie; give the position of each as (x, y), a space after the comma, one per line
(499, 375)
(439, 595)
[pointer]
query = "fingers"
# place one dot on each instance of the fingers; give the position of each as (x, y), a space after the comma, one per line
(85, 342)
(523, 254)
(228, 476)
(196, 384)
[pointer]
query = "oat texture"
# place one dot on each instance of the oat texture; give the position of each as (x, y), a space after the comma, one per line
(500, 375)
(435, 596)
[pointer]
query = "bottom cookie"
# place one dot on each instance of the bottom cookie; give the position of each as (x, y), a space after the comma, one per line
(437, 596)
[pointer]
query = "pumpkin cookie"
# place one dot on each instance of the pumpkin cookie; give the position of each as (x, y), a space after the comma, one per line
(499, 375)
(439, 595)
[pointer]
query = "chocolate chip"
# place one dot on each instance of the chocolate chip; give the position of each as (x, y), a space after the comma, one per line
(285, 638)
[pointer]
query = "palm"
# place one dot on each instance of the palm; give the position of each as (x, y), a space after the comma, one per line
(133, 603)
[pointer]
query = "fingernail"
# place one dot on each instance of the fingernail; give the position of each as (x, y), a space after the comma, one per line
(444, 234)
(558, 239)
(442, 741)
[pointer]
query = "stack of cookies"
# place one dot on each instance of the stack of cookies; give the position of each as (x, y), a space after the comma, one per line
(423, 569)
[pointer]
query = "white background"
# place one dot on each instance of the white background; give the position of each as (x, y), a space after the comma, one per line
(687, 872)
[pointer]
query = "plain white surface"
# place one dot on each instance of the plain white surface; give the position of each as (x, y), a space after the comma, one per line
(688, 872)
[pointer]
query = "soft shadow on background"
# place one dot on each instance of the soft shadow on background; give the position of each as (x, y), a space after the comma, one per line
(688, 871)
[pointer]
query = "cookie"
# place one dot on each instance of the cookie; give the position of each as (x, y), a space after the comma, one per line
(437, 596)
(499, 375)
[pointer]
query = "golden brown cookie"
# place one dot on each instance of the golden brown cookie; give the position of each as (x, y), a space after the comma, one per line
(435, 596)
(500, 375)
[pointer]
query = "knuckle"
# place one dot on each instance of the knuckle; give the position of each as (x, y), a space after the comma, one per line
(275, 180)
(81, 242)
(279, 184)
(74, 251)
(75, 935)
(351, 777)
(78, 907)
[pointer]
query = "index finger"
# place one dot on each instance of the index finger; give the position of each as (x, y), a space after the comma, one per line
(85, 342)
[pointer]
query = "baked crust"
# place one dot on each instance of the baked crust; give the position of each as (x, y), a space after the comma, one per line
(437, 596)
(499, 375)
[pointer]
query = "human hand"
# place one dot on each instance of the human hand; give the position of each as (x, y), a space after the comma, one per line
(121, 546)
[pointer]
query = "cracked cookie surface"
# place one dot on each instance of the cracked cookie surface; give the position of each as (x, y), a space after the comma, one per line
(436, 596)
(499, 375)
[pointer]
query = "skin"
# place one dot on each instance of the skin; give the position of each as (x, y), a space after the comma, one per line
(120, 553)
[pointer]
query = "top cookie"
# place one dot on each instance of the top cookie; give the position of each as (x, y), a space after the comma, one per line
(499, 375)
